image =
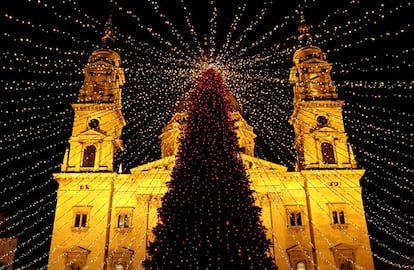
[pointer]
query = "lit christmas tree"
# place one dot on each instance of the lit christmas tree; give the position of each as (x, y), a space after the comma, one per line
(208, 219)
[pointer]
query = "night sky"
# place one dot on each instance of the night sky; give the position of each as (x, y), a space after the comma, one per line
(45, 44)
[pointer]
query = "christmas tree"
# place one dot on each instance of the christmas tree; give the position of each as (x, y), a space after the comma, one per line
(208, 219)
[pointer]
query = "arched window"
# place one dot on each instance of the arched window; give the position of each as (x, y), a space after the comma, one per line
(119, 266)
(300, 266)
(75, 266)
(346, 266)
(328, 154)
(89, 156)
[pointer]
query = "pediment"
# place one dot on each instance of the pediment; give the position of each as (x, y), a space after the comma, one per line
(342, 246)
(295, 249)
(78, 250)
(326, 129)
(257, 163)
(167, 164)
(123, 252)
(95, 134)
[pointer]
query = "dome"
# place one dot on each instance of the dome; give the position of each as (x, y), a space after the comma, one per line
(307, 54)
(184, 104)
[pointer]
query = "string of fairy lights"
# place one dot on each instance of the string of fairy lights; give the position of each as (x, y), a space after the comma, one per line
(41, 74)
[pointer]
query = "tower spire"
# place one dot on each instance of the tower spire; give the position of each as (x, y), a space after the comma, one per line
(108, 32)
(305, 38)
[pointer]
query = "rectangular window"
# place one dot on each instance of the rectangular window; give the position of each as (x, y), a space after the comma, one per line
(83, 220)
(341, 217)
(77, 220)
(124, 218)
(338, 217)
(295, 219)
(337, 211)
(81, 216)
(335, 217)
(89, 155)
(80, 220)
(123, 221)
(294, 215)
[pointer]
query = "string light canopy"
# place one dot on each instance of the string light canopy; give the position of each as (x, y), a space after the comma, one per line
(46, 44)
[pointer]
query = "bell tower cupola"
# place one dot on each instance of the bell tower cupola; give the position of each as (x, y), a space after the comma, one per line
(311, 73)
(98, 118)
(320, 138)
(103, 75)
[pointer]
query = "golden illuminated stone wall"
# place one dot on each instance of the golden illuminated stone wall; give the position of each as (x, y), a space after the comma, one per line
(314, 216)
(278, 193)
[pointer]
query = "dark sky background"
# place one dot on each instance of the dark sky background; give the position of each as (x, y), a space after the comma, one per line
(45, 44)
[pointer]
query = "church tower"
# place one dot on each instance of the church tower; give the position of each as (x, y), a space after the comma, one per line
(320, 141)
(86, 180)
(337, 231)
(98, 118)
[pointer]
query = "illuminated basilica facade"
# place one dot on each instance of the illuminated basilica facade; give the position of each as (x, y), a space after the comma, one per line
(314, 215)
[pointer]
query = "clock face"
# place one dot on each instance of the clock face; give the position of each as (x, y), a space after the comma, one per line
(93, 123)
(322, 120)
